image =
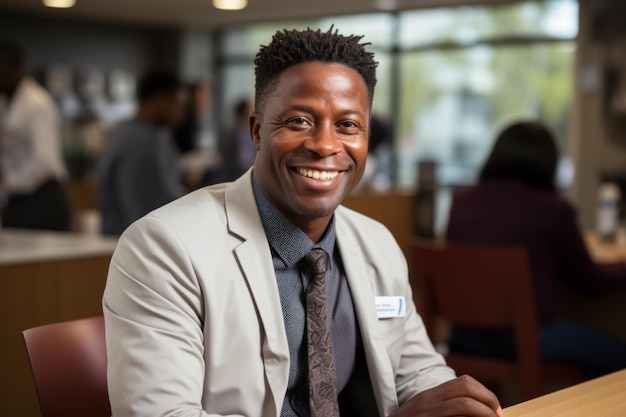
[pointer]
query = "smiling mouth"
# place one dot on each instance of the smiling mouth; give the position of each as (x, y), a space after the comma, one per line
(317, 175)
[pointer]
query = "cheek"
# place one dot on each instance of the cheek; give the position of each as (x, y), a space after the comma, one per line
(358, 152)
(277, 146)
(269, 154)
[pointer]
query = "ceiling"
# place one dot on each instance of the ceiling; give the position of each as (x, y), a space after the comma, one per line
(201, 13)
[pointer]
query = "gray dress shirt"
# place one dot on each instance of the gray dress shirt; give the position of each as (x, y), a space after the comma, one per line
(289, 244)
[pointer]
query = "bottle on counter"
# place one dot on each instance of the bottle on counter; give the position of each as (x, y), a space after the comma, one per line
(424, 204)
(608, 216)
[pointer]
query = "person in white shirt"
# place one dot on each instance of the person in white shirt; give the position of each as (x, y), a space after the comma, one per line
(32, 172)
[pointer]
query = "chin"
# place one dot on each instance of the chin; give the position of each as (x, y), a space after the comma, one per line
(317, 210)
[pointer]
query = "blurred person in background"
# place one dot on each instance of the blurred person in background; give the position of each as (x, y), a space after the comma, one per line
(195, 137)
(32, 171)
(188, 133)
(515, 203)
(236, 148)
(376, 175)
(139, 170)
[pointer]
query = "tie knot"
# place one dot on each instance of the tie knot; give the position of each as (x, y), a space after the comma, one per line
(317, 260)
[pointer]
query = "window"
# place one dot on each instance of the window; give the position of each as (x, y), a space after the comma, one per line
(450, 78)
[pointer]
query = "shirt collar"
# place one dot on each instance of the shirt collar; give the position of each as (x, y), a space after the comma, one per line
(287, 239)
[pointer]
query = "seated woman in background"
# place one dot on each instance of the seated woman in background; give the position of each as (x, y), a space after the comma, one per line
(515, 203)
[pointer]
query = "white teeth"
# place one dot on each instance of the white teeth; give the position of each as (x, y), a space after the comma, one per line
(318, 175)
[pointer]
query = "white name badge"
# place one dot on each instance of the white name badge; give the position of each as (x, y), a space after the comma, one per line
(390, 307)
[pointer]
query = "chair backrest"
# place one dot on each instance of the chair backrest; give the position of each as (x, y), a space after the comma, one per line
(479, 286)
(69, 366)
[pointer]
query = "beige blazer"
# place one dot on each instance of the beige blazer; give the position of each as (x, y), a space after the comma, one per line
(194, 323)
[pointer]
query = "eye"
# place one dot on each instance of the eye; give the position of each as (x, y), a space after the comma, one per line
(298, 122)
(349, 127)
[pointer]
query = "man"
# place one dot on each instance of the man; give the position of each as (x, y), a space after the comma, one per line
(32, 172)
(139, 168)
(206, 297)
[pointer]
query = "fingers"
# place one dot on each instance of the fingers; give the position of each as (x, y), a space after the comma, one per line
(463, 396)
(466, 387)
(465, 406)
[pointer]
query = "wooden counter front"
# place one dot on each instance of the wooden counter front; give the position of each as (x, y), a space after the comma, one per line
(38, 288)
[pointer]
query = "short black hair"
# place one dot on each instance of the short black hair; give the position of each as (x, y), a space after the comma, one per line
(155, 82)
(525, 151)
(291, 47)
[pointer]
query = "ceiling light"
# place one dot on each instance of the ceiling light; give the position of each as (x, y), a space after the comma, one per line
(59, 4)
(230, 4)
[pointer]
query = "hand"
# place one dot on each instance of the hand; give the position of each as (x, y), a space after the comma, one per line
(463, 396)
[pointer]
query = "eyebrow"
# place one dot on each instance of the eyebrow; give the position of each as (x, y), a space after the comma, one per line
(308, 109)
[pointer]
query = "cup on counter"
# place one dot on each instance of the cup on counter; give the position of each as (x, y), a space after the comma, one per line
(89, 222)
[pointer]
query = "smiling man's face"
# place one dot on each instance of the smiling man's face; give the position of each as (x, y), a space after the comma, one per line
(312, 139)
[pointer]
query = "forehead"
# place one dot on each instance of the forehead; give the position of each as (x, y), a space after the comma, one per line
(315, 77)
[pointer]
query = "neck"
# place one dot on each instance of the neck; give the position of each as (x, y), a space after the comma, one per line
(313, 228)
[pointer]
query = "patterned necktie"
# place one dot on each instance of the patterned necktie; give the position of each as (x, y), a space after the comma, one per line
(321, 370)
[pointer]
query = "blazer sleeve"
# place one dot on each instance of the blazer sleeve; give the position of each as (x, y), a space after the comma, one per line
(420, 366)
(153, 313)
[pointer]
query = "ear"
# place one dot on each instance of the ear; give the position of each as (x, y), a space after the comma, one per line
(255, 129)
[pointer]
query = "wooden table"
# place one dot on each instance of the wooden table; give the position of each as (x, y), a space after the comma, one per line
(601, 397)
(44, 278)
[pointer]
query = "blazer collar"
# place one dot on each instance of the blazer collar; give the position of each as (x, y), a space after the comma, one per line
(361, 284)
(241, 211)
(255, 259)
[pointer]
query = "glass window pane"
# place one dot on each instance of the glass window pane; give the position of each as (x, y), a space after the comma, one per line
(453, 102)
(469, 24)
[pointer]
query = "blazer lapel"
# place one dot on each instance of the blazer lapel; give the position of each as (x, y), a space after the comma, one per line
(255, 260)
(359, 280)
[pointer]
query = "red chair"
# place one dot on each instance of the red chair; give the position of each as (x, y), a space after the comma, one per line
(485, 287)
(69, 367)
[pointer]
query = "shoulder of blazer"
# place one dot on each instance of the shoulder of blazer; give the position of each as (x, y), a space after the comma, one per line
(227, 208)
(362, 226)
(366, 238)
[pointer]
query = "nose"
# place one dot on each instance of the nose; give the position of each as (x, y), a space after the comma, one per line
(324, 140)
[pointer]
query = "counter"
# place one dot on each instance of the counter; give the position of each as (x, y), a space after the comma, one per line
(26, 246)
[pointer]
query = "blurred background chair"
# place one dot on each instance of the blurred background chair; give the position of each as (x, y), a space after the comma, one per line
(483, 287)
(69, 364)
